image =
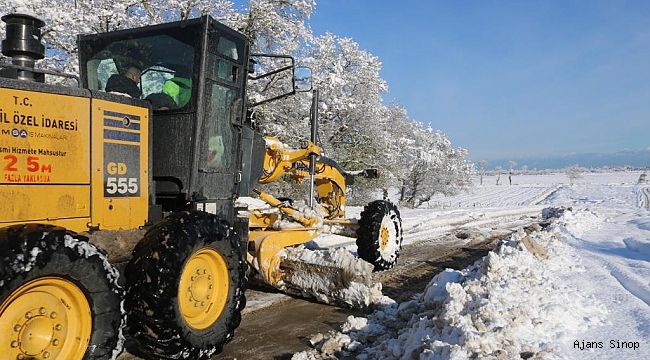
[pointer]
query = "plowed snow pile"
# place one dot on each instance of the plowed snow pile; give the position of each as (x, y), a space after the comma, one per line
(587, 298)
(513, 303)
(332, 276)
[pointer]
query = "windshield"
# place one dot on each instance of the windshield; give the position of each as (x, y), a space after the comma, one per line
(158, 68)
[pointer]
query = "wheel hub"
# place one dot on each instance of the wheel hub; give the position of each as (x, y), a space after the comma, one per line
(200, 288)
(203, 288)
(35, 334)
(46, 318)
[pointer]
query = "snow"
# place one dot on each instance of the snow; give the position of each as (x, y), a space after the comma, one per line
(579, 289)
(348, 284)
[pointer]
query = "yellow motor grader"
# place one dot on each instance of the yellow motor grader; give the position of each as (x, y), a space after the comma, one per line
(165, 166)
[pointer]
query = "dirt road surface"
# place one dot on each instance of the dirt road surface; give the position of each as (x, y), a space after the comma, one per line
(275, 326)
(284, 328)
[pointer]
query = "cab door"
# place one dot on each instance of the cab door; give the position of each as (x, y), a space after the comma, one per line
(218, 155)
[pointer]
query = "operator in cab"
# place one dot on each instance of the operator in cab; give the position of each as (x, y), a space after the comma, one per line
(125, 82)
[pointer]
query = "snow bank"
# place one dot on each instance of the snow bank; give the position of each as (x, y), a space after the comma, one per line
(509, 304)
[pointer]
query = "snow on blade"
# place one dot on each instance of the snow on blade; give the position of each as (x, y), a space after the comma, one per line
(333, 276)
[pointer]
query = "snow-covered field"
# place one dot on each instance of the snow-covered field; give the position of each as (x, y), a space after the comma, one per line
(585, 295)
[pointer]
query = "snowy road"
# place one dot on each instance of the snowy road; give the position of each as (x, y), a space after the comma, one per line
(434, 240)
(293, 321)
(585, 297)
(590, 298)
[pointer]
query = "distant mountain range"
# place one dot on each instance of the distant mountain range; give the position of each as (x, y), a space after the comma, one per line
(633, 158)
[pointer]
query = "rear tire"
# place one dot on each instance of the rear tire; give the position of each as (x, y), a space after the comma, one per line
(59, 296)
(185, 288)
(379, 237)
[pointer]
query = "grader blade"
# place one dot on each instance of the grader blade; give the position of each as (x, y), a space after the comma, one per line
(330, 276)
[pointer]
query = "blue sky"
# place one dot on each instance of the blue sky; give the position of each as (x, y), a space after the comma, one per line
(511, 79)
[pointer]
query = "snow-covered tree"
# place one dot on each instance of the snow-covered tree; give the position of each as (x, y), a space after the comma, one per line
(352, 114)
(482, 165)
(574, 172)
(64, 19)
(498, 170)
(276, 27)
(435, 168)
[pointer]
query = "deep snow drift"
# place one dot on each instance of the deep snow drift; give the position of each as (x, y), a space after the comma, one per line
(586, 295)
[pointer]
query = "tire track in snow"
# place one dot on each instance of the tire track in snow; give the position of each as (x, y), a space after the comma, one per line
(631, 282)
(636, 285)
(548, 195)
(494, 196)
(485, 219)
(643, 197)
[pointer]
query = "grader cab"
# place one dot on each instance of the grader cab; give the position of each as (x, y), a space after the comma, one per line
(154, 152)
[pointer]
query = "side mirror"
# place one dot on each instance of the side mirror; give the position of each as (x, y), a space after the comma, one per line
(290, 80)
(302, 79)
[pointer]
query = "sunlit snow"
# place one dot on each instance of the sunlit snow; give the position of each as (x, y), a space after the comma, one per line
(587, 298)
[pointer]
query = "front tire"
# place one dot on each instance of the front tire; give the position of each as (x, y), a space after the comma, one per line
(185, 288)
(379, 237)
(59, 296)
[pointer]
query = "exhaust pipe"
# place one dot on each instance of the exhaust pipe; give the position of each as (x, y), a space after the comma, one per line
(23, 44)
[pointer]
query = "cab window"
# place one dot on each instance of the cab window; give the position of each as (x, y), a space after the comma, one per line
(156, 68)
